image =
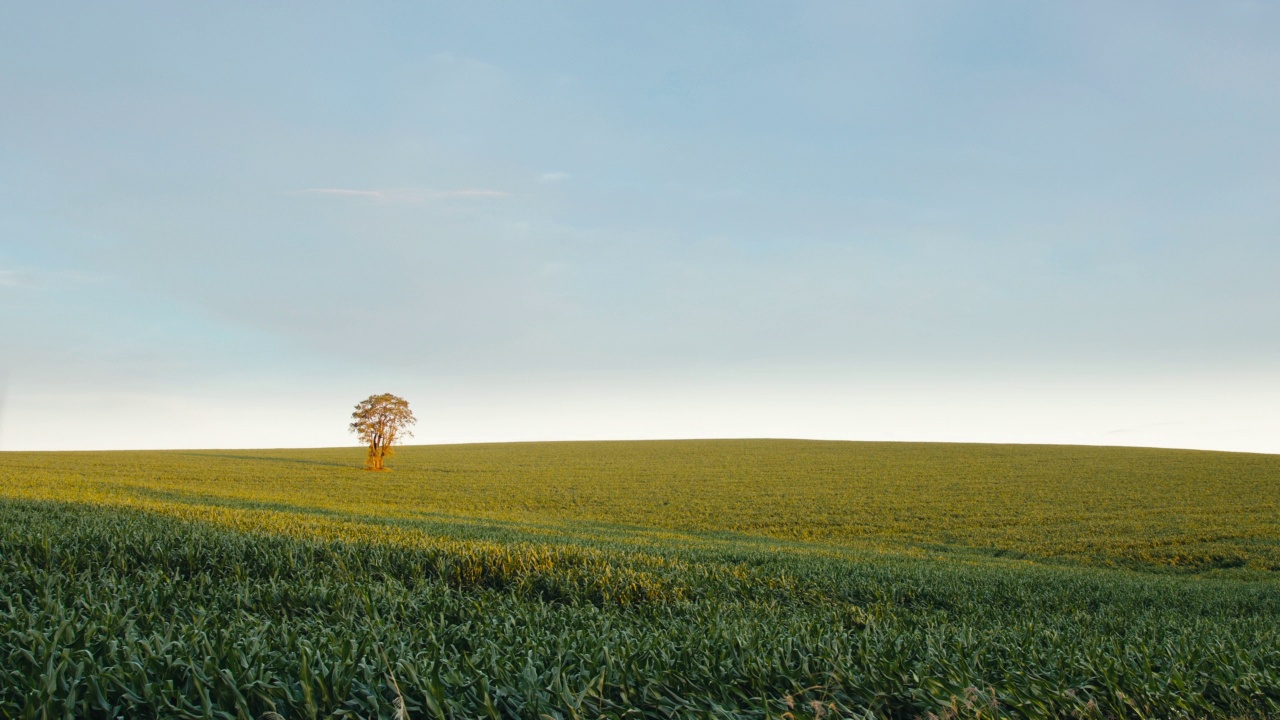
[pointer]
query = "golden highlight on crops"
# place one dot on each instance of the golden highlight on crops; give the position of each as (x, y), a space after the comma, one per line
(763, 579)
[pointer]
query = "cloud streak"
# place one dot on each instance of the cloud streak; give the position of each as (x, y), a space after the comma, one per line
(404, 195)
(48, 278)
(14, 278)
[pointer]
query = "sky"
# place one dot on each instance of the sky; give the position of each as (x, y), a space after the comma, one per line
(223, 224)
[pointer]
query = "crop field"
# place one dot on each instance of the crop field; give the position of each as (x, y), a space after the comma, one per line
(760, 579)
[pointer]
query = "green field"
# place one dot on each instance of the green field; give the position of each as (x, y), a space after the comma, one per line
(642, 579)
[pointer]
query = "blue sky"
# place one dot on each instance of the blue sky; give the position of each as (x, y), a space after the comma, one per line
(223, 225)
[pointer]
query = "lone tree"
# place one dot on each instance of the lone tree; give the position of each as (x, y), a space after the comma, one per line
(379, 421)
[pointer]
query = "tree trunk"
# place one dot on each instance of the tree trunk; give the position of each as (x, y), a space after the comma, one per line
(373, 460)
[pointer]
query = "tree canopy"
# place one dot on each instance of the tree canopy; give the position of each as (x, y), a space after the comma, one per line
(379, 421)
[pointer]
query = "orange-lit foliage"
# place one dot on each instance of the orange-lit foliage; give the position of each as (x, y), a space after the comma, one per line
(379, 421)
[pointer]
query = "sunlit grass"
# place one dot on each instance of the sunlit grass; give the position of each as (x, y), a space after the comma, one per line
(1170, 509)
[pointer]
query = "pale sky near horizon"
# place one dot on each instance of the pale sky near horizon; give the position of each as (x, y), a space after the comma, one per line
(221, 225)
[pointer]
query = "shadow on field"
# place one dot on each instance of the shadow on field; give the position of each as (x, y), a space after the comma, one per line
(464, 527)
(267, 458)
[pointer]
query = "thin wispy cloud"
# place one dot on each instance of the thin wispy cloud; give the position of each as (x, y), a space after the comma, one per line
(406, 195)
(14, 278)
(549, 177)
(27, 278)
